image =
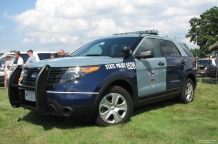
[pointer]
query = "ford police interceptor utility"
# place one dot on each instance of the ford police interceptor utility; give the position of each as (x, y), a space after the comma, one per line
(106, 78)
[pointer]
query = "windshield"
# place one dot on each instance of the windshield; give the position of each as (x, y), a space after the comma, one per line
(204, 62)
(108, 47)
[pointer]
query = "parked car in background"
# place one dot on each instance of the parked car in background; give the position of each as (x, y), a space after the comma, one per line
(1, 54)
(1, 73)
(1, 64)
(39, 56)
(3, 57)
(201, 65)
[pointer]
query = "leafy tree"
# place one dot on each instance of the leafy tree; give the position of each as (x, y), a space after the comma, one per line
(195, 52)
(204, 30)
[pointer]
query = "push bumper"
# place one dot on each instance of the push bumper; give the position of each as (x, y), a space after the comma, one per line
(43, 104)
(15, 90)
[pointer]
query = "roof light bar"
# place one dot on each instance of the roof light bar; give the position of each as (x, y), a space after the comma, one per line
(153, 32)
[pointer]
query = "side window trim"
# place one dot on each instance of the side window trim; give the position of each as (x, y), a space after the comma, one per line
(186, 49)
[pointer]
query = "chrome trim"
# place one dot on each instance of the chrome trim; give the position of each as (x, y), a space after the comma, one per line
(72, 92)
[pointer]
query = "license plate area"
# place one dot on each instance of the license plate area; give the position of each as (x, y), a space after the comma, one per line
(30, 96)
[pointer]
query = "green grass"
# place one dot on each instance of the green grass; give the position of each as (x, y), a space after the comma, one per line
(163, 122)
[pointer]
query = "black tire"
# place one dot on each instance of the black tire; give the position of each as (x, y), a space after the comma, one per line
(114, 107)
(187, 94)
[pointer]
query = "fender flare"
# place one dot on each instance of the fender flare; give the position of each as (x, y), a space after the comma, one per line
(188, 74)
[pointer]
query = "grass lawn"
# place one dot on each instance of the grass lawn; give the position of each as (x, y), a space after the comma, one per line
(163, 122)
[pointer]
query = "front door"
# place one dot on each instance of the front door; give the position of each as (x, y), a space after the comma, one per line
(151, 72)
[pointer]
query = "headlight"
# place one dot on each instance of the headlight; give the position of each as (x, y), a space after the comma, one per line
(76, 73)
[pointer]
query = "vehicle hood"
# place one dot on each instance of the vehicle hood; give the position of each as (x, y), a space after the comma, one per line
(76, 61)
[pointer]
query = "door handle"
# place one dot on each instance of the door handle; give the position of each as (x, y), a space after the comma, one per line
(161, 63)
(182, 62)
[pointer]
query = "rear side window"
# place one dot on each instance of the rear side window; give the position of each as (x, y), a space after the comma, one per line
(24, 57)
(43, 56)
(186, 49)
(168, 49)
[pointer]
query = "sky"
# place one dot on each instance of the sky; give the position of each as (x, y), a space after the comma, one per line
(51, 25)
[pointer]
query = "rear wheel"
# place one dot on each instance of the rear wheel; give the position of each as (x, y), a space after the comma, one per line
(187, 91)
(115, 107)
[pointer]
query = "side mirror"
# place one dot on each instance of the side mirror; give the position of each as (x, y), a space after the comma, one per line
(126, 49)
(145, 54)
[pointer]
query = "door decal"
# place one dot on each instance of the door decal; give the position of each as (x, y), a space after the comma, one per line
(153, 75)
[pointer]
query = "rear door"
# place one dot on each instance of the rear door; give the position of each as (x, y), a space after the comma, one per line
(151, 72)
(175, 64)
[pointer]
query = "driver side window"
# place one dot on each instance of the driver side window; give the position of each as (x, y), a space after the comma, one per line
(149, 44)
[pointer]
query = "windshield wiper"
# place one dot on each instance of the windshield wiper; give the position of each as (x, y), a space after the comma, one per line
(93, 55)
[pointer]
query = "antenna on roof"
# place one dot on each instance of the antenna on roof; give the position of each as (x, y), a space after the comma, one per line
(152, 32)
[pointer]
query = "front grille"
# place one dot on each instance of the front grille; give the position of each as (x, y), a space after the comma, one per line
(30, 75)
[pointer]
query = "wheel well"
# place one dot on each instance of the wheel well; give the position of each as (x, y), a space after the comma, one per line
(192, 77)
(124, 85)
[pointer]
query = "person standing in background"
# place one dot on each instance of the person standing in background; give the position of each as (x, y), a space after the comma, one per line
(31, 58)
(62, 53)
(8, 72)
(19, 62)
(18, 58)
(7, 63)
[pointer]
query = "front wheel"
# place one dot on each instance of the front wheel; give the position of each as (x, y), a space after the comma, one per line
(115, 107)
(187, 92)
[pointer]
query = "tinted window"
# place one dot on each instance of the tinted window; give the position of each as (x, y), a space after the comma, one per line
(15, 61)
(24, 57)
(168, 49)
(108, 47)
(186, 49)
(149, 45)
(43, 56)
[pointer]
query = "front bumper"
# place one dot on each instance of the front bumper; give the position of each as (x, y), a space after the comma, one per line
(201, 72)
(44, 102)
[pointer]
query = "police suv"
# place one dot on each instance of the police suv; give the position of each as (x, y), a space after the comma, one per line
(106, 78)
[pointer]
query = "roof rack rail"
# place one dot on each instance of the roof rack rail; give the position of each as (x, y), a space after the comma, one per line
(153, 32)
